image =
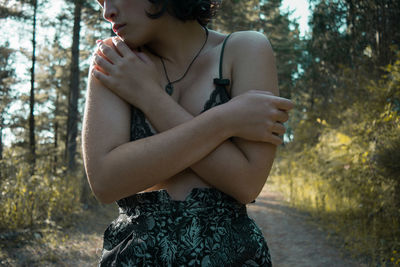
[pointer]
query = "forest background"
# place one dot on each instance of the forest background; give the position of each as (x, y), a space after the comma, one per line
(341, 156)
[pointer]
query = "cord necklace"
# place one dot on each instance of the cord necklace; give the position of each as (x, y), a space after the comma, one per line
(169, 88)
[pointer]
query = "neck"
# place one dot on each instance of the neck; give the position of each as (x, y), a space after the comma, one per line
(178, 41)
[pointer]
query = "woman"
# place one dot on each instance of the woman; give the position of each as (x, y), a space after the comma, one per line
(181, 127)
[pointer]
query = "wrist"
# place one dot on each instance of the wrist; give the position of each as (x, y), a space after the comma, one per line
(150, 96)
(156, 101)
(223, 121)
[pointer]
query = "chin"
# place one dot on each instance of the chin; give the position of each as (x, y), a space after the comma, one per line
(133, 44)
(130, 43)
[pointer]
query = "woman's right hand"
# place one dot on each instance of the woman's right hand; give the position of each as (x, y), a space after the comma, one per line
(130, 74)
(258, 116)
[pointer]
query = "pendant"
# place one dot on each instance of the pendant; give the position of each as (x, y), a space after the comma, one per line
(169, 89)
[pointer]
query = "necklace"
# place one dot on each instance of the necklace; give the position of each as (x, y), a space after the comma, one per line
(169, 88)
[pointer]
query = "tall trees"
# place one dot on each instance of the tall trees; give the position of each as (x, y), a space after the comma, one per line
(347, 36)
(7, 79)
(236, 15)
(32, 141)
(72, 124)
(60, 57)
(16, 11)
(53, 82)
(374, 25)
(284, 37)
(12, 10)
(266, 17)
(347, 122)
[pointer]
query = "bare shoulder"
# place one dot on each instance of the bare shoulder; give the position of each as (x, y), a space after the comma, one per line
(247, 43)
(106, 118)
(252, 63)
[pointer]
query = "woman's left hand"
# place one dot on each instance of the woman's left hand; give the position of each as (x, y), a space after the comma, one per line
(129, 74)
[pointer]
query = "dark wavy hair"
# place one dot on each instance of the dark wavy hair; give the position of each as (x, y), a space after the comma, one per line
(200, 10)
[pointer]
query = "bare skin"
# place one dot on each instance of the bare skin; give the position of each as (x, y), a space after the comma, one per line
(190, 150)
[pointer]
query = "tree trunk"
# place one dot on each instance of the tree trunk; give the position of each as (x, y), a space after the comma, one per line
(1, 137)
(72, 124)
(55, 160)
(1, 145)
(32, 142)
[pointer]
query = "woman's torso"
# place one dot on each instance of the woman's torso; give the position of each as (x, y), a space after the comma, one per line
(192, 93)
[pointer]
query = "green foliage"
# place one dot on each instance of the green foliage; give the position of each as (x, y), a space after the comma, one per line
(266, 17)
(343, 162)
(346, 170)
(236, 15)
(27, 200)
(51, 194)
(388, 156)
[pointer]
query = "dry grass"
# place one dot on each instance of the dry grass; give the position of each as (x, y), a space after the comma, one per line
(78, 244)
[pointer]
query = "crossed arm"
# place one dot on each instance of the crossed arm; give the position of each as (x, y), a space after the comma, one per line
(118, 168)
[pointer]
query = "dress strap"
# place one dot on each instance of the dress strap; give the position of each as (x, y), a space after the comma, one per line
(222, 56)
(221, 80)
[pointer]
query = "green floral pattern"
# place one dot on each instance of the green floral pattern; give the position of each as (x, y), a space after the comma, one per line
(209, 228)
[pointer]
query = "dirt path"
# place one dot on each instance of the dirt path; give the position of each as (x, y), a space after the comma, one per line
(79, 245)
(292, 239)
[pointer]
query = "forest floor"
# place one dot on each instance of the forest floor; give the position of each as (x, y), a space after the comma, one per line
(294, 238)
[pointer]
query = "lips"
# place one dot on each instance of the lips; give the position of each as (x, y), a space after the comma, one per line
(117, 27)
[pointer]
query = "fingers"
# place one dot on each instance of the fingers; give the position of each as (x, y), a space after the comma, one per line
(108, 51)
(125, 51)
(274, 139)
(278, 129)
(143, 57)
(281, 116)
(284, 104)
(103, 63)
(281, 103)
(103, 78)
(121, 46)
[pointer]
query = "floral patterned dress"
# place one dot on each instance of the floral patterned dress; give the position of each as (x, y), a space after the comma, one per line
(209, 228)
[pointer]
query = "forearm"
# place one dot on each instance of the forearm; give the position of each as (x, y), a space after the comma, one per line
(225, 168)
(135, 166)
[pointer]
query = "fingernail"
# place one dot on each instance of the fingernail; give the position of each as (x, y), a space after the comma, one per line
(98, 42)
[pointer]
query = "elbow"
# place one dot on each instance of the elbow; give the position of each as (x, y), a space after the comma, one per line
(245, 193)
(107, 189)
(101, 191)
(102, 195)
(246, 197)
(100, 181)
(252, 188)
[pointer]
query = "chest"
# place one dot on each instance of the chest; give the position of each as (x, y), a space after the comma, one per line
(196, 92)
(197, 87)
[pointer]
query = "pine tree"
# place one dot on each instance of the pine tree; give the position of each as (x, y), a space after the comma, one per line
(236, 15)
(7, 79)
(32, 141)
(72, 125)
(285, 40)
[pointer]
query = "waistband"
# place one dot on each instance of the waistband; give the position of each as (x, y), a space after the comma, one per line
(160, 200)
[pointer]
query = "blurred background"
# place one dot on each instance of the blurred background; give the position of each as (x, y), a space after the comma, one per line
(338, 60)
